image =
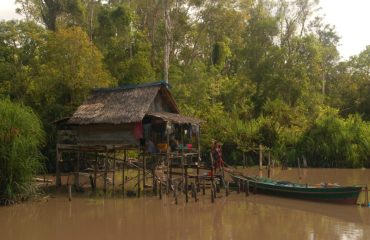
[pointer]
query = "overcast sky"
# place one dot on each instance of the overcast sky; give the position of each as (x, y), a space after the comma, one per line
(350, 17)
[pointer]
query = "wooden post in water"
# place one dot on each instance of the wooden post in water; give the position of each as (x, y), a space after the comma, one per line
(186, 185)
(70, 192)
(214, 189)
(238, 186)
(204, 187)
(198, 184)
(114, 169)
(138, 182)
(105, 171)
(255, 187)
(95, 169)
(247, 189)
(123, 171)
(91, 181)
(366, 203)
(77, 171)
(244, 160)
(58, 178)
(269, 165)
(194, 191)
(227, 192)
(160, 189)
(144, 170)
(175, 193)
(260, 157)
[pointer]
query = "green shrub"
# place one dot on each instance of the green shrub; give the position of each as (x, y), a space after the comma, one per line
(333, 141)
(21, 134)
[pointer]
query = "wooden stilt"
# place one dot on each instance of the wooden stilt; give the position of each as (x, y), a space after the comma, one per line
(269, 165)
(244, 160)
(58, 178)
(105, 171)
(76, 171)
(95, 169)
(198, 183)
(212, 195)
(123, 171)
(138, 182)
(175, 193)
(194, 191)
(154, 182)
(144, 171)
(204, 187)
(168, 164)
(227, 192)
(366, 203)
(186, 185)
(238, 186)
(247, 188)
(114, 169)
(260, 157)
(70, 192)
(214, 190)
(160, 190)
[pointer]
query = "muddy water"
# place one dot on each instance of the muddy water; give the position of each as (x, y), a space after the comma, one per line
(234, 217)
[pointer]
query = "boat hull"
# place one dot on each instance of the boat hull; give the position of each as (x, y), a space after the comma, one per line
(340, 195)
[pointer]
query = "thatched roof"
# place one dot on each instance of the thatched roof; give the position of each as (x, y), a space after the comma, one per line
(174, 117)
(121, 105)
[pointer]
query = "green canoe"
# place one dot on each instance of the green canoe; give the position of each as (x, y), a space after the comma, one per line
(323, 192)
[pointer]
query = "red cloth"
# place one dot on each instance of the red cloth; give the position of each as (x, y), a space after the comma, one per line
(219, 161)
(138, 130)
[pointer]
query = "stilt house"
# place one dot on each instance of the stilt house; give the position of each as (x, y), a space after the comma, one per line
(141, 117)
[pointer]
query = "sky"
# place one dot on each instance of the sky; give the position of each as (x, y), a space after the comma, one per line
(350, 18)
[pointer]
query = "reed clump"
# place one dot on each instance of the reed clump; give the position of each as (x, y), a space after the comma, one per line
(21, 135)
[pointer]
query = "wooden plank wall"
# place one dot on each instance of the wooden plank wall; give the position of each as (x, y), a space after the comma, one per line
(107, 134)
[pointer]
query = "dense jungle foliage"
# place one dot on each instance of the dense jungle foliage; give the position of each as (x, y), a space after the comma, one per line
(256, 71)
(21, 134)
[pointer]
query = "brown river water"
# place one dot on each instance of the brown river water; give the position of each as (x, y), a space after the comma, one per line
(232, 217)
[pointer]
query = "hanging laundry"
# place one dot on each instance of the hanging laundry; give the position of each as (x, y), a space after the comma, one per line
(138, 130)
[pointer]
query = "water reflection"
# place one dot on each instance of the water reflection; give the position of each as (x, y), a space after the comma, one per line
(235, 217)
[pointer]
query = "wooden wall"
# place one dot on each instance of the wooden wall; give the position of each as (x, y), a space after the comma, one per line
(99, 134)
(159, 105)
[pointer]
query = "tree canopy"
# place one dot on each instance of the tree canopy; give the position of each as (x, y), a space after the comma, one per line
(256, 71)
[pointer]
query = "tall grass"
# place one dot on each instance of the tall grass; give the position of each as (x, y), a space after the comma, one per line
(21, 135)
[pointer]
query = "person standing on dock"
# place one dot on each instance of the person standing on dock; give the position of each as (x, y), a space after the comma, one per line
(219, 163)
